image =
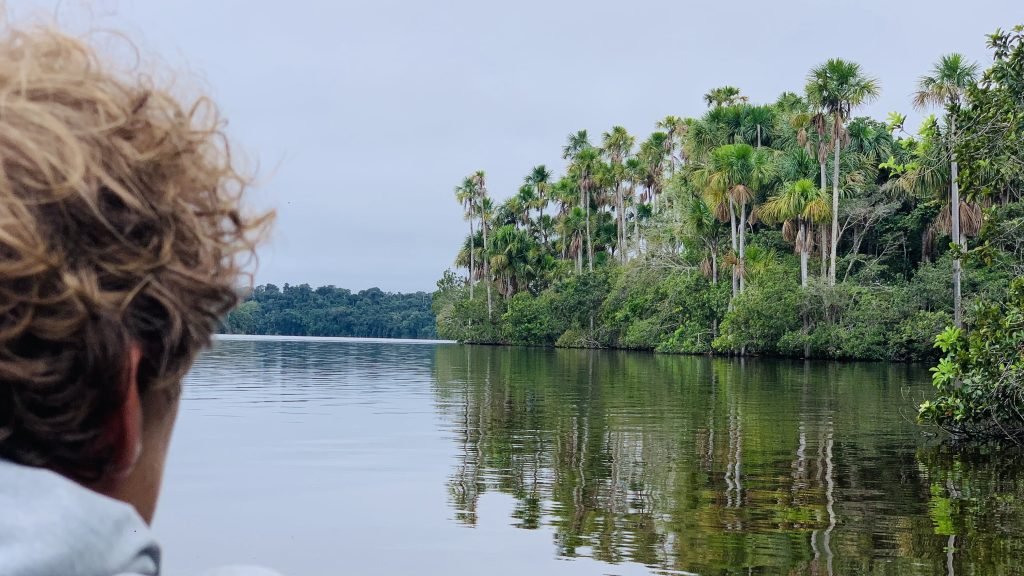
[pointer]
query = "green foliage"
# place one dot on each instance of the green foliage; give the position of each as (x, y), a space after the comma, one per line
(329, 311)
(761, 316)
(910, 339)
(529, 321)
(980, 380)
(713, 234)
(991, 159)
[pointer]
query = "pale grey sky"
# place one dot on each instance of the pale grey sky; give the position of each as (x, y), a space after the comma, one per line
(365, 114)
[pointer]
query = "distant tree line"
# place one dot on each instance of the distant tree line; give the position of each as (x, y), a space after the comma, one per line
(330, 311)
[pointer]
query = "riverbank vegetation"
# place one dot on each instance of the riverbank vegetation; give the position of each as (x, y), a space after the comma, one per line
(791, 228)
(794, 227)
(328, 311)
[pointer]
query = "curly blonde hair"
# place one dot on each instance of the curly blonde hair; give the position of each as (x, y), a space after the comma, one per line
(121, 225)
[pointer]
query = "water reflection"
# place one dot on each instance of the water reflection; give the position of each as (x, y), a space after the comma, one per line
(720, 466)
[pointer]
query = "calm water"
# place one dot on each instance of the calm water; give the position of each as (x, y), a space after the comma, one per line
(344, 457)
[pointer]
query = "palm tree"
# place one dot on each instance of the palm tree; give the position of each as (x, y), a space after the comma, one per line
(946, 86)
(652, 157)
(700, 223)
(676, 128)
(571, 230)
(703, 136)
(576, 143)
(585, 167)
(811, 135)
(633, 174)
(617, 144)
(486, 208)
(525, 200)
(754, 172)
(757, 124)
(540, 179)
(803, 203)
(926, 177)
(564, 192)
(466, 195)
(730, 179)
(835, 88)
(728, 120)
(723, 96)
(514, 259)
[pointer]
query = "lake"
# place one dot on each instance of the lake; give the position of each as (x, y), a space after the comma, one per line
(328, 457)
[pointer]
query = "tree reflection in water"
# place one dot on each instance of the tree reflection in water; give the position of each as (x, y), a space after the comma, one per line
(721, 466)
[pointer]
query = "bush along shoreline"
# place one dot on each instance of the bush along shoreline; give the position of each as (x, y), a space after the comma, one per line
(793, 228)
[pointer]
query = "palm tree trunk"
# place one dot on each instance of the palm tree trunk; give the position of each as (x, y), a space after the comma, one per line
(958, 320)
(743, 246)
(803, 252)
(579, 256)
(487, 270)
(821, 229)
(472, 259)
(621, 222)
(714, 265)
(823, 249)
(735, 244)
(590, 240)
(835, 210)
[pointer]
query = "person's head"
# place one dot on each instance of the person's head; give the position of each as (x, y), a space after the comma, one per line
(122, 244)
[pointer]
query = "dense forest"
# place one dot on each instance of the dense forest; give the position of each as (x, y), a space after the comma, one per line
(794, 227)
(329, 311)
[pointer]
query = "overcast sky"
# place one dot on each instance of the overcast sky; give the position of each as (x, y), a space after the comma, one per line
(364, 115)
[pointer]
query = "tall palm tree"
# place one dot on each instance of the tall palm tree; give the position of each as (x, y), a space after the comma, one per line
(571, 230)
(946, 86)
(700, 223)
(835, 88)
(565, 193)
(540, 179)
(617, 145)
(633, 174)
(676, 128)
(525, 199)
(812, 136)
(585, 166)
(465, 193)
(652, 156)
(803, 203)
(486, 208)
(754, 172)
(730, 180)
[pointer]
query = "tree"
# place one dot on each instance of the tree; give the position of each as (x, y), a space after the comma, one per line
(835, 88)
(584, 168)
(617, 145)
(723, 96)
(583, 159)
(540, 180)
(701, 223)
(467, 197)
(799, 204)
(757, 125)
(946, 86)
(738, 171)
(486, 210)
(675, 128)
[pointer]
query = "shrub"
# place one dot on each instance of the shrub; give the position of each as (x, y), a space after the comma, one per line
(980, 380)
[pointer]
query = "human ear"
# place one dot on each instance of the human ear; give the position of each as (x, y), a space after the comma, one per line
(125, 426)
